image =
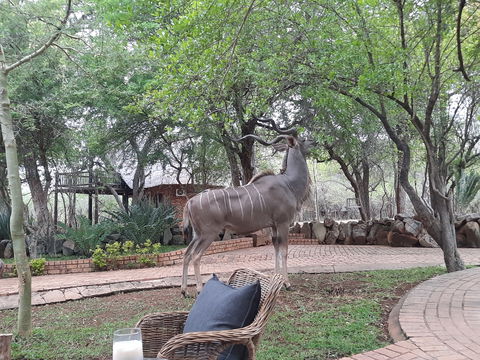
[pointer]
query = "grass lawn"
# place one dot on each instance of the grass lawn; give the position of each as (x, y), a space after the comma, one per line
(327, 316)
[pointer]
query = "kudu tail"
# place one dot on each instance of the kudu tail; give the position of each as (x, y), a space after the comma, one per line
(186, 226)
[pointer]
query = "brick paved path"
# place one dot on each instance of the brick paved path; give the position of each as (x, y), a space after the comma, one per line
(440, 318)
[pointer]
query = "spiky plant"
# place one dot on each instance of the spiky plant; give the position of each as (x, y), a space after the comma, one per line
(467, 188)
(5, 225)
(144, 222)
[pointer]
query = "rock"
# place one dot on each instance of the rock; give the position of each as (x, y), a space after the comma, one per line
(227, 235)
(460, 240)
(381, 237)
(319, 232)
(398, 226)
(3, 245)
(359, 233)
(425, 240)
(412, 227)
(54, 247)
(177, 240)
(471, 235)
(328, 222)
(262, 237)
(378, 234)
(8, 251)
(295, 229)
(347, 230)
(345, 233)
(167, 237)
(341, 233)
(332, 234)
(306, 230)
(402, 240)
(400, 217)
(68, 248)
(111, 238)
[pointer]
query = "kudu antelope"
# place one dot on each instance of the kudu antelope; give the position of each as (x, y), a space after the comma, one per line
(266, 201)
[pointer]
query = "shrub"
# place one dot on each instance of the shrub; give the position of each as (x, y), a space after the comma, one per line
(86, 236)
(143, 221)
(38, 266)
(108, 258)
(99, 258)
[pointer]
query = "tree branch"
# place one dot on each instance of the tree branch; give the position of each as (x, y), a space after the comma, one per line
(46, 45)
(461, 67)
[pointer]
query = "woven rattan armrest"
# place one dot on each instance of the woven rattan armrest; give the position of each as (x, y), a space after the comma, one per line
(208, 344)
(158, 328)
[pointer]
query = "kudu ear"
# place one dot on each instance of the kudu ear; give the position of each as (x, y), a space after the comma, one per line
(291, 141)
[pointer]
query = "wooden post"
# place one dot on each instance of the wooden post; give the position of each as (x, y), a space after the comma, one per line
(97, 203)
(125, 201)
(5, 351)
(55, 201)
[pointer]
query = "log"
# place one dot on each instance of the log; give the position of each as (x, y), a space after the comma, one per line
(5, 350)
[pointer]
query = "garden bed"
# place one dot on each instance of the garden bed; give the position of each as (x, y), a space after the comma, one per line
(134, 261)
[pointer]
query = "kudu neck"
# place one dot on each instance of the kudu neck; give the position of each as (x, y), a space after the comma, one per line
(297, 172)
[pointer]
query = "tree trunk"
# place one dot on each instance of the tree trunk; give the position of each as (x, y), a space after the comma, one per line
(16, 219)
(138, 184)
(400, 195)
(4, 195)
(246, 160)
(43, 223)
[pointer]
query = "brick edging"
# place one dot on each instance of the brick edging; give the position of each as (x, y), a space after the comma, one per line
(129, 262)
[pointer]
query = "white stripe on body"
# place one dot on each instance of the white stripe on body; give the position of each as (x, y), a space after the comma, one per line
(216, 202)
(240, 202)
(225, 197)
(260, 196)
(201, 196)
(251, 201)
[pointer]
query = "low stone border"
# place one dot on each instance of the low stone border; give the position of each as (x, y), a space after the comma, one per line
(80, 292)
(128, 262)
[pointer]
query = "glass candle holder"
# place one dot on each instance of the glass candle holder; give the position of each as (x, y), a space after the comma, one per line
(127, 344)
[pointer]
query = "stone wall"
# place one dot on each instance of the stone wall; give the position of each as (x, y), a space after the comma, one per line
(398, 232)
(129, 262)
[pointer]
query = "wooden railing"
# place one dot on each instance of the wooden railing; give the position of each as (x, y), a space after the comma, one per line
(84, 179)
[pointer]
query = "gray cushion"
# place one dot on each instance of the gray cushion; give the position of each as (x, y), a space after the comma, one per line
(222, 307)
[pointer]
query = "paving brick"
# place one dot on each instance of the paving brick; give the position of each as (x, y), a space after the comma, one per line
(440, 316)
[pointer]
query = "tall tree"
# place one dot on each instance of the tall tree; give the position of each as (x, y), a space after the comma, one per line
(396, 59)
(16, 220)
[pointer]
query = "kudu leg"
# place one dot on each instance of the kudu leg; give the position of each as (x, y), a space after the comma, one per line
(276, 246)
(196, 256)
(187, 257)
(281, 252)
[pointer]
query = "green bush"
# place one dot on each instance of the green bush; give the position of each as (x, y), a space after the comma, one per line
(86, 236)
(143, 221)
(99, 258)
(108, 258)
(38, 266)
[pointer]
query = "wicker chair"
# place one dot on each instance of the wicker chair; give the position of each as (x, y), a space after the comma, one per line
(162, 332)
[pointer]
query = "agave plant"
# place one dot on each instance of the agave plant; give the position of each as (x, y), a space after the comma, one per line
(5, 225)
(467, 188)
(143, 221)
(86, 236)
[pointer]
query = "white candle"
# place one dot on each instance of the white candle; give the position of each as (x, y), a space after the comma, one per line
(128, 350)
